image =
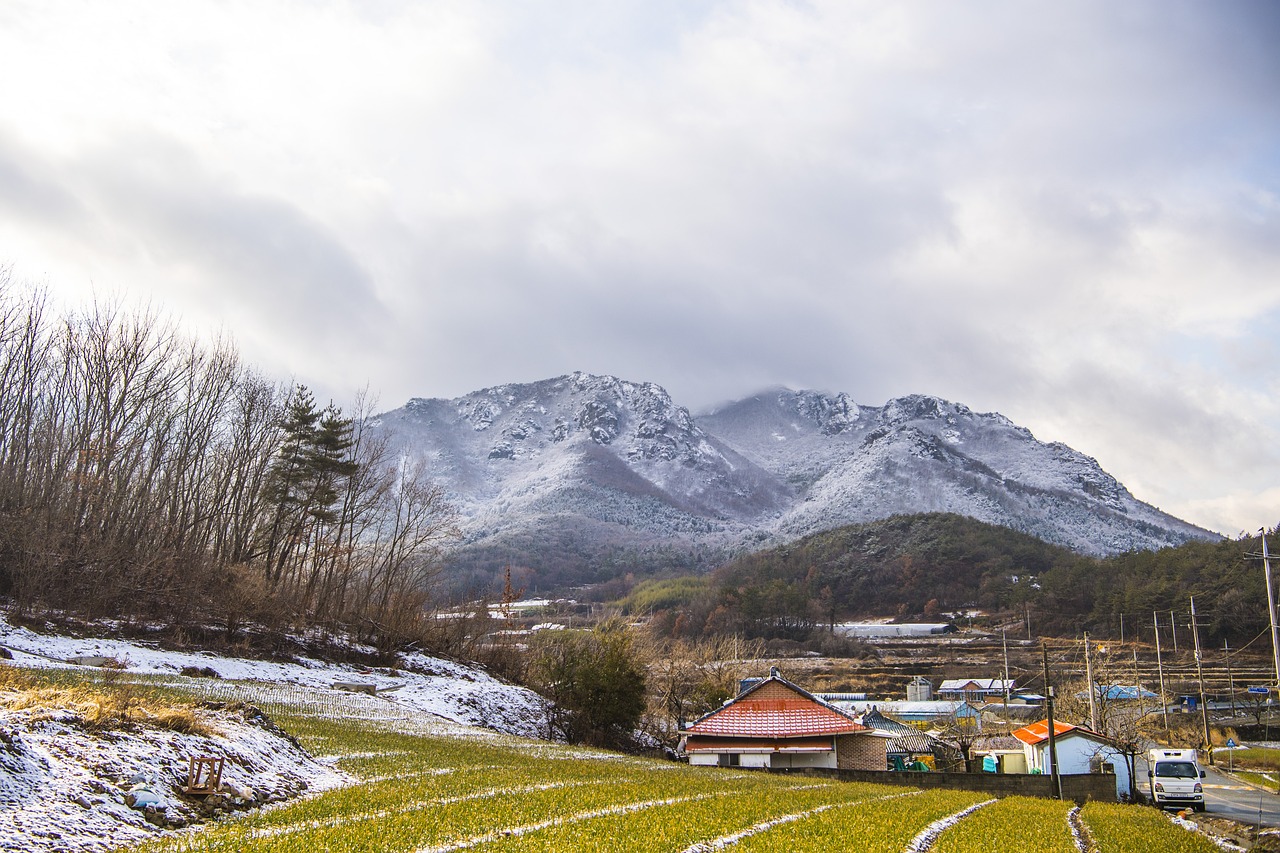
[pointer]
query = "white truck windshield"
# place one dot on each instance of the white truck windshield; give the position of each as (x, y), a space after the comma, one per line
(1177, 769)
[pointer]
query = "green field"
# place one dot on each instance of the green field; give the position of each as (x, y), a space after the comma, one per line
(425, 792)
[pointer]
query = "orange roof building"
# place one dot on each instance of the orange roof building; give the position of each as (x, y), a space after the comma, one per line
(774, 723)
(1080, 750)
(1038, 732)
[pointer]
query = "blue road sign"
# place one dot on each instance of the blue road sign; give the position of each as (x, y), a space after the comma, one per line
(1263, 691)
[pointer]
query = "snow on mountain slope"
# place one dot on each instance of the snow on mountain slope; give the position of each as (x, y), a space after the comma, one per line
(924, 454)
(596, 459)
(616, 452)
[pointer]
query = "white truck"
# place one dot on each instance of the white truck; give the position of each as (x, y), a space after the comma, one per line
(1175, 776)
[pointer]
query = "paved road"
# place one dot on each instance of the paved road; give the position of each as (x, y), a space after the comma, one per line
(1228, 797)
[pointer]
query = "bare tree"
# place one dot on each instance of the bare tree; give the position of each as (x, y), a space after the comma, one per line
(141, 471)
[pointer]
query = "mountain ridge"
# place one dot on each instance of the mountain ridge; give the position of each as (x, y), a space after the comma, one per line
(613, 470)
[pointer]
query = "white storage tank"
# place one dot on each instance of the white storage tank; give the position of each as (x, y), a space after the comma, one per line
(919, 689)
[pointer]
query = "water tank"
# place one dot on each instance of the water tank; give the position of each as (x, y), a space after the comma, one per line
(919, 689)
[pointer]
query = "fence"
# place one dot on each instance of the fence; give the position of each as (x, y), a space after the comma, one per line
(1080, 787)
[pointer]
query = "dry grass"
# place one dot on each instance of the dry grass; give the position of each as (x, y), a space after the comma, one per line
(109, 704)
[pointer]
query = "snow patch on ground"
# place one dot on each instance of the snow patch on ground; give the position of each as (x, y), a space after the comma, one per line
(445, 689)
(65, 787)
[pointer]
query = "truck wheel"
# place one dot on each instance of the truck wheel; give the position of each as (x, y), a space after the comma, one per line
(1200, 807)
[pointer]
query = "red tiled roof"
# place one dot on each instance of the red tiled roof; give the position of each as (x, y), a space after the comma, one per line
(1037, 732)
(775, 718)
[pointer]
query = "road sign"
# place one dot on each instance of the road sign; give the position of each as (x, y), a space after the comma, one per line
(1231, 743)
(1263, 691)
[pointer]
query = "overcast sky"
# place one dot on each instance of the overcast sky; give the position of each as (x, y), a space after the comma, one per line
(1065, 212)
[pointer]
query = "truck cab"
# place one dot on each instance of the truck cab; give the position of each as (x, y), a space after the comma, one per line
(1175, 776)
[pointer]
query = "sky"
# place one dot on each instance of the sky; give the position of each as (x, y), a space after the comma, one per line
(1068, 213)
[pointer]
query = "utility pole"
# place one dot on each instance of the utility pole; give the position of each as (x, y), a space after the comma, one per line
(1204, 702)
(1231, 681)
(1004, 642)
(1088, 674)
(1164, 700)
(1137, 685)
(1271, 602)
(1056, 780)
(1174, 626)
(1122, 629)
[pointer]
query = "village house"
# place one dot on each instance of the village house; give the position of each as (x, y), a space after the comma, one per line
(976, 691)
(1079, 750)
(910, 746)
(776, 724)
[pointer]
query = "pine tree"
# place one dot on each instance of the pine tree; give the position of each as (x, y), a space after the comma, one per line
(288, 483)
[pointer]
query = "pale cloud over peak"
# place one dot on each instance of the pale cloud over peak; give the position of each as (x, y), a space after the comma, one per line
(1064, 212)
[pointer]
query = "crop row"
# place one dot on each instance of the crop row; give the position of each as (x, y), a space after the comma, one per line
(1132, 829)
(421, 793)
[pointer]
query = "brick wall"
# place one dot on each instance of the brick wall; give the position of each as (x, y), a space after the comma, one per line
(773, 690)
(861, 752)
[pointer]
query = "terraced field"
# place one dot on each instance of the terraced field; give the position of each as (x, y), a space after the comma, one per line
(420, 791)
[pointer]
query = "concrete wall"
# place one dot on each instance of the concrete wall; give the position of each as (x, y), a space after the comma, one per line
(1079, 787)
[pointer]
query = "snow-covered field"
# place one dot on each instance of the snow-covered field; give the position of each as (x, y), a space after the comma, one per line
(64, 787)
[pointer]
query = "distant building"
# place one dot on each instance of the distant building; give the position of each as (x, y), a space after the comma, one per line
(873, 630)
(1121, 693)
(917, 712)
(978, 690)
(774, 723)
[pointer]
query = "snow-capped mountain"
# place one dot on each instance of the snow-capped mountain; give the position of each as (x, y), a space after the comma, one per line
(851, 463)
(581, 466)
(595, 469)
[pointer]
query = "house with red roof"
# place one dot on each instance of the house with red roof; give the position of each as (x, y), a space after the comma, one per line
(1079, 749)
(774, 723)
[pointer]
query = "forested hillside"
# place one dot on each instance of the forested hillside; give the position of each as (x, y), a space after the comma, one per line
(923, 566)
(145, 474)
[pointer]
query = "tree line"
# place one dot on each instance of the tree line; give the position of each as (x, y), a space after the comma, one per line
(926, 566)
(146, 474)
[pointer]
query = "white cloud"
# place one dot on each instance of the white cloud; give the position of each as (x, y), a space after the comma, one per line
(1065, 212)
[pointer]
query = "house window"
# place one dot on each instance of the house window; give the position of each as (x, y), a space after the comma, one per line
(729, 759)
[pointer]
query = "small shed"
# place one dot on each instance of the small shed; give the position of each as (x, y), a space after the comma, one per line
(1005, 752)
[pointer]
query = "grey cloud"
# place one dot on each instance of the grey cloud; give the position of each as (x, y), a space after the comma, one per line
(262, 250)
(32, 189)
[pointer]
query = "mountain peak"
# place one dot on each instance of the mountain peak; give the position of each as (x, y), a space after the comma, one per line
(582, 471)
